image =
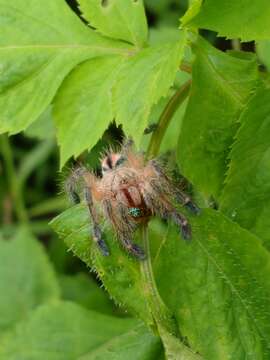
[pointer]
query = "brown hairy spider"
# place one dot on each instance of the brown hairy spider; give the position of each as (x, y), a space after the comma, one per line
(129, 192)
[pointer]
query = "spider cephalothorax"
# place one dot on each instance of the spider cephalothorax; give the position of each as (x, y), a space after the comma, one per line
(130, 191)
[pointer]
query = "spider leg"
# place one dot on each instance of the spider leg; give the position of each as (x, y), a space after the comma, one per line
(96, 231)
(124, 228)
(72, 182)
(182, 222)
(125, 232)
(179, 195)
(160, 205)
(131, 247)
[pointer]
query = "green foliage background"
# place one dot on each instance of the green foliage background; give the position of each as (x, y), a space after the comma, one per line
(75, 81)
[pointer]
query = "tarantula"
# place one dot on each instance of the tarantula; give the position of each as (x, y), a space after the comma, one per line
(129, 192)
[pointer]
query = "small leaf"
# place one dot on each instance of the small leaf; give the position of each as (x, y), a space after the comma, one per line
(244, 19)
(246, 195)
(218, 287)
(26, 278)
(39, 46)
(65, 331)
(143, 80)
(174, 349)
(118, 19)
(83, 105)
(136, 344)
(212, 113)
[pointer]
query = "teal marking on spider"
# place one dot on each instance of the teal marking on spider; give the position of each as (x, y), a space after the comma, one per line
(135, 212)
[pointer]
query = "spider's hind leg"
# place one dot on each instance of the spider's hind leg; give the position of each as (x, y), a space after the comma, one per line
(160, 205)
(183, 224)
(180, 196)
(131, 247)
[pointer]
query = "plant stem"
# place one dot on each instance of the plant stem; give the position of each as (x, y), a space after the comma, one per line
(15, 192)
(165, 118)
(161, 314)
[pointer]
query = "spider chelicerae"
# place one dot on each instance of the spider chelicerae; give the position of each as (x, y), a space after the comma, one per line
(130, 191)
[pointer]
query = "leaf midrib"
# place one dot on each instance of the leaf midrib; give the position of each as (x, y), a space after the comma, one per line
(223, 82)
(119, 51)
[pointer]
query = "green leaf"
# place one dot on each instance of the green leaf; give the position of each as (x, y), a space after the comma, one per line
(81, 289)
(263, 51)
(83, 105)
(212, 113)
(118, 19)
(39, 46)
(66, 331)
(144, 79)
(119, 273)
(27, 278)
(244, 19)
(136, 344)
(218, 287)
(245, 197)
(43, 127)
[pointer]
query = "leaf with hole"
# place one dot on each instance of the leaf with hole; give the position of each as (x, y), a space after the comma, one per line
(39, 46)
(118, 19)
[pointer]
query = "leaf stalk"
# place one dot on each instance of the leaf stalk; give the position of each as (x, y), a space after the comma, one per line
(176, 100)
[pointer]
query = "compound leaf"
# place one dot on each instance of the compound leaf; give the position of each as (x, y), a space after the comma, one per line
(119, 19)
(212, 113)
(143, 80)
(65, 331)
(218, 288)
(37, 54)
(246, 195)
(244, 19)
(83, 105)
(26, 278)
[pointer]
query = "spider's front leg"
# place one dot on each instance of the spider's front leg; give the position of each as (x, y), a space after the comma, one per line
(124, 227)
(96, 231)
(76, 180)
